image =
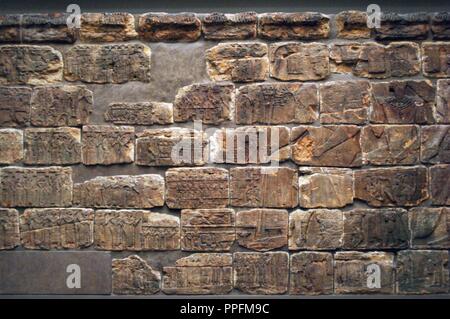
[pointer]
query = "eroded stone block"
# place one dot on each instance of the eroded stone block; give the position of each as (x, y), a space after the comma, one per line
(430, 227)
(440, 25)
(442, 113)
(9, 228)
(352, 25)
(14, 106)
(11, 146)
(311, 273)
(436, 59)
(107, 27)
(394, 26)
(440, 184)
(237, 26)
(435, 144)
(141, 113)
(158, 27)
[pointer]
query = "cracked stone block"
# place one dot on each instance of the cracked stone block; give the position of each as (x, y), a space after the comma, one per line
(443, 102)
(157, 27)
(57, 228)
(126, 191)
(376, 229)
(134, 276)
(66, 105)
(11, 146)
(403, 102)
(364, 273)
(331, 145)
(440, 25)
(269, 187)
(109, 63)
(299, 61)
(293, 26)
(140, 113)
(277, 103)
(311, 273)
(440, 184)
(211, 103)
(430, 227)
(9, 228)
(316, 229)
(136, 230)
(422, 272)
(238, 62)
(250, 145)
(390, 144)
(107, 144)
(171, 147)
(322, 187)
(36, 187)
(14, 106)
(30, 64)
(435, 144)
(64, 142)
(344, 102)
(352, 25)
(207, 229)
(197, 187)
(262, 229)
(344, 56)
(199, 274)
(436, 59)
(394, 26)
(261, 273)
(237, 26)
(107, 27)
(399, 186)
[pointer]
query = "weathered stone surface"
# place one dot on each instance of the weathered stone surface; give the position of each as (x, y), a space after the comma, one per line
(107, 144)
(35, 187)
(212, 103)
(325, 187)
(46, 27)
(422, 272)
(332, 145)
(127, 191)
(293, 26)
(376, 229)
(435, 144)
(357, 272)
(238, 62)
(394, 26)
(14, 106)
(436, 59)
(316, 229)
(352, 25)
(399, 186)
(264, 187)
(440, 25)
(430, 227)
(11, 143)
(60, 146)
(107, 27)
(299, 61)
(133, 276)
(250, 144)
(28, 64)
(109, 63)
(197, 187)
(262, 229)
(311, 273)
(207, 229)
(169, 27)
(442, 113)
(440, 184)
(261, 273)
(344, 102)
(199, 274)
(373, 60)
(277, 103)
(403, 102)
(237, 26)
(390, 144)
(141, 113)
(9, 228)
(57, 228)
(136, 230)
(67, 105)
(162, 147)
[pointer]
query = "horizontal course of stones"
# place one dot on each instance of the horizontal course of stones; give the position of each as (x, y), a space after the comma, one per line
(364, 174)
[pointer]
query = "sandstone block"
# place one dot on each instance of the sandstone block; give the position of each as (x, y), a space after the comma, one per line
(237, 26)
(14, 106)
(443, 102)
(158, 27)
(440, 184)
(394, 26)
(11, 146)
(352, 25)
(107, 27)
(435, 144)
(430, 227)
(435, 59)
(141, 113)
(311, 273)
(9, 228)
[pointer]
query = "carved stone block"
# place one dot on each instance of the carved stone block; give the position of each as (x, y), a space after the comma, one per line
(107, 27)
(440, 184)
(440, 25)
(430, 227)
(158, 27)
(197, 187)
(9, 228)
(237, 26)
(207, 229)
(344, 56)
(394, 26)
(352, 25)
(442, 113)
(277, 103)
(436, 59)
(142, 113)
(11, 146)
(14, 106)
(435, 144)
(107, 144)
(264, 187)
(311, 273)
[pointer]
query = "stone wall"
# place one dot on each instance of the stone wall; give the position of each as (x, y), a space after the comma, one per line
(90, 118)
